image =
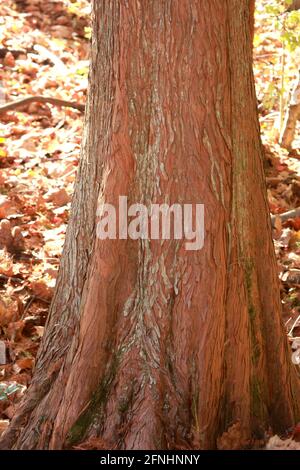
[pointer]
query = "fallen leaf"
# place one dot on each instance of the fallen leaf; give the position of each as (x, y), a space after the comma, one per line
(23, 364)
(14, 330)
(275, 443)
(42, 290)
(9, 60)
(59, 197)
(7, 207)
(233, 438)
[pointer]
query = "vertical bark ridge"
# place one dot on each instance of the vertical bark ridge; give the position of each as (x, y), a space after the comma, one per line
(256, 256)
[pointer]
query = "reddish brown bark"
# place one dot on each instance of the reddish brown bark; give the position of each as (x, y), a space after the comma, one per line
(149, 345)
(252, 18)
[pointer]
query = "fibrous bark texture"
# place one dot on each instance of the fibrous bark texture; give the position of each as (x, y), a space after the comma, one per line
(150, 346)
(295, 5)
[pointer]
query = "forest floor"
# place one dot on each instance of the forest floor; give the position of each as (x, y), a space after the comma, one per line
(44, 49)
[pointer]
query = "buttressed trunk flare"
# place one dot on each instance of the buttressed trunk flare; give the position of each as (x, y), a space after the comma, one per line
(148, 345)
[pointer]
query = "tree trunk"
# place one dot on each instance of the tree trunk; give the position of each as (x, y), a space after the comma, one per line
(150, 346)
(252, 19)
(295, 5)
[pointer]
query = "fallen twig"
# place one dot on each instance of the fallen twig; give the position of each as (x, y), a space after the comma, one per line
(285, 216)
(58, 63)
(41, 99)
(294, 324)
(3, 277)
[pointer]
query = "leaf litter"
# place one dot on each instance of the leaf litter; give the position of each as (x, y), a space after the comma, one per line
(44, 48)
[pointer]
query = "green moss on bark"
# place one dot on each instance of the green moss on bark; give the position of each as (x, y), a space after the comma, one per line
(96, 407)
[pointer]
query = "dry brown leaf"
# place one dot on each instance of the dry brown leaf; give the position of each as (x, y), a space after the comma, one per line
(23, 364)
(7, 207)
(14, 330)
(60, 31)
(275, 443)
(9, 60)
(11, 238)
(8, 312)
(41, 289)
(59, 197)
(233, 439)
